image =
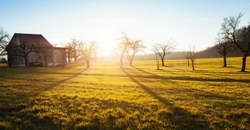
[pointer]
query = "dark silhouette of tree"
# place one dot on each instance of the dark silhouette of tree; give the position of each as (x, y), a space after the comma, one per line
(163, 49)
(123, 47)
(187, 56)
(191, 54)
(129, 48)
(244, 44)
(156, 59)
(133, 48)
(73, 50)
(88, 51)
(239, 37)
(26, 50)
(4, 40)
(223, 48)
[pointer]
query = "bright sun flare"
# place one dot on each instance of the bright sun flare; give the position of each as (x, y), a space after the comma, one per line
(106, 44)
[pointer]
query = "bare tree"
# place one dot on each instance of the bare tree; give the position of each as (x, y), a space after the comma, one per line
(73, 51)
(156, 58)
(4, 39)
(163, 49)
(232, 32)
(26, 50)
(94, 50)
(88, 51)
(129, 48)
(188, 58)
(133, 48)
(244, 44)
(223, 47)
(123, 47)
(192, 56)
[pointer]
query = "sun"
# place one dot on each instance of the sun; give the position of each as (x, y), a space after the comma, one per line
(107, 42)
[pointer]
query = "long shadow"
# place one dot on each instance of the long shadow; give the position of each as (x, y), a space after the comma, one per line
(176, 78)
(219, 74)
(201, 95)
(36, 92)
(63, 80)
(194, 92)
(139, 69)
(194, 78)
(12, 71)
(180, 117)
(151, 76)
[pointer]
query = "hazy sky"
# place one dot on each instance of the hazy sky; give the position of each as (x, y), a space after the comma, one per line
(184, 22)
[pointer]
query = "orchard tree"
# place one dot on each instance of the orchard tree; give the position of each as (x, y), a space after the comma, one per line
(73, 50)
(26, 50)
(191, 54)
(163, 49)
(157, 63)
(134, 47)
(244, 44)
(223, 47)
(238, 36)
(187, 56)
(4, 40)
(123, 47)
(88, 50)
(129, 48)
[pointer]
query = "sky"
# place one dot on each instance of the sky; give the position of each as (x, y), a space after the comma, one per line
(186, 23)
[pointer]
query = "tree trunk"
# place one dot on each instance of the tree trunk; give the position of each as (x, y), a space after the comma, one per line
(75, 56)
(192, 60)
(121, 60)
(87, 62)
(188, 62)
(69, 56)
(131, 62)
(225, 60)
(26, 61)
(132, 59)
(244, 60)
(162, 62)
(157, 62)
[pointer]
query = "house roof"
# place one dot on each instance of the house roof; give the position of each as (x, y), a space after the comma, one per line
(30, 41)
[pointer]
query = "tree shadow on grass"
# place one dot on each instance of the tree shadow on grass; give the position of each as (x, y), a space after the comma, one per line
(11, 71)
(222, 79)
(181, 118)
(25, 98)
(197, 93)
(153, 76)
(139, 69)
(217, 101)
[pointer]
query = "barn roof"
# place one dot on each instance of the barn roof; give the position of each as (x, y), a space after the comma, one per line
(30, 40)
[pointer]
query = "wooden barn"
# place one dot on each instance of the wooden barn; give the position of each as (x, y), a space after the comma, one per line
(34, 50)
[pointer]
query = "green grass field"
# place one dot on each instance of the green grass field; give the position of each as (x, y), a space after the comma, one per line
(107, 97)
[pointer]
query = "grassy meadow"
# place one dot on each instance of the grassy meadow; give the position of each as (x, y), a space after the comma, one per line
(108, 97)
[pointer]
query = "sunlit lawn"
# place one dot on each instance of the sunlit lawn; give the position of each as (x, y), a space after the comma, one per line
(140, 97)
